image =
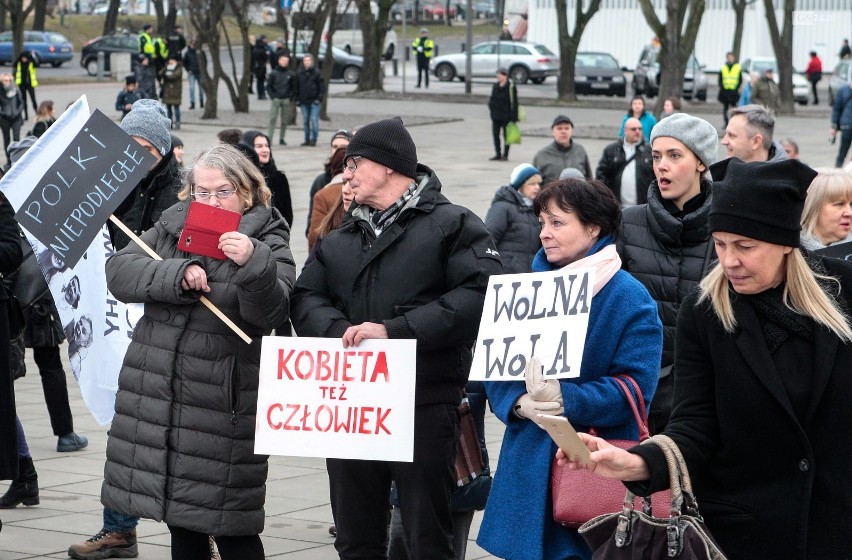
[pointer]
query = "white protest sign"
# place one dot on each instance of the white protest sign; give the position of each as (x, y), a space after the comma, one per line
(318, 399)
(544, 314)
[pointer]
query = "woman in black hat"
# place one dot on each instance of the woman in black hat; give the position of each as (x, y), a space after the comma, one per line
(762, 392)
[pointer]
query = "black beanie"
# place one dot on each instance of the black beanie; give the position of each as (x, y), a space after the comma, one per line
(387, 143)
(762, 200)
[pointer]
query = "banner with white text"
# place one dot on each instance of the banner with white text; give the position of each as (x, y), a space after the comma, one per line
(544, 314)
(318, 399)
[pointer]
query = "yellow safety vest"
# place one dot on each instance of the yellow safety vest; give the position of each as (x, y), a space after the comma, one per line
(33, 81)
(162, 51)
(428, 46)
(731, 76)
(146, 45)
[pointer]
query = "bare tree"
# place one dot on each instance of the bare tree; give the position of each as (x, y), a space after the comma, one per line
(205, 16)
(161, 17)
(111, 19)
(328, 60)
(782, 44)
(39, 14)
(568, 44)
(677, 40)
(3, 11)
(18, 15)
(171, 17)
(739, 7)
(373, 31)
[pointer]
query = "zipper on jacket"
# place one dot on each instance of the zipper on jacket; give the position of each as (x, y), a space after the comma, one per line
(234, 393)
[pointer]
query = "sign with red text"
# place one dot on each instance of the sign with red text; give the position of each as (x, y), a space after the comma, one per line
(544, 314)
(319, 399)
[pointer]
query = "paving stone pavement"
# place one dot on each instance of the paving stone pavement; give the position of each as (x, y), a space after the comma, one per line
(453, 136)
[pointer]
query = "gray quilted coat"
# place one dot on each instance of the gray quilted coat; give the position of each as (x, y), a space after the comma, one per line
(181, 445)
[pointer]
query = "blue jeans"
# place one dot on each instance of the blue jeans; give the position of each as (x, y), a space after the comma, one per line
(310, 116)
(195, 79)
(118, 522)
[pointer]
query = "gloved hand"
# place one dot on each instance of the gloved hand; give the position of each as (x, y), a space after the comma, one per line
(538, 387)
(527, 407)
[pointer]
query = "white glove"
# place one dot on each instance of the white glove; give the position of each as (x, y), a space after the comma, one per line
(419, 49)
(527, 407)
(538, 387)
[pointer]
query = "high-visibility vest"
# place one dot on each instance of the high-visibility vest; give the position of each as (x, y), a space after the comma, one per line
(731, 76)
(33, 80)
(146, 45)
(161, 50)
(428, 46)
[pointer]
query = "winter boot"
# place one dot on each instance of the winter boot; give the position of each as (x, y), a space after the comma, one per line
(506, 153)
(106, 544)
(24, 489)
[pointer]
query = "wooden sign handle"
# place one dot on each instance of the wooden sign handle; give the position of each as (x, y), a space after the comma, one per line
(153, 254)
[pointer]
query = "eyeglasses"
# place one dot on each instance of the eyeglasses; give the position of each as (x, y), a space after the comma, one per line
(205, 195)
(351, 164)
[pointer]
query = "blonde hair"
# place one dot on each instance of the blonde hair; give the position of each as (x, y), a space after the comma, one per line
(238, 170)
(802, 294)
(828, 186)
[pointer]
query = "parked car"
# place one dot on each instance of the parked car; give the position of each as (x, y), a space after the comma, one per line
(118, 43)
(801, 86)
(841, 76)
(646, 76)
(485, 9)
(525, 62)
(46, 47)
(598, 73)
(347, 67)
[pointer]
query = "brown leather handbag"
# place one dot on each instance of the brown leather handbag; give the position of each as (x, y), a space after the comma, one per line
(634, 535)
(580, 495)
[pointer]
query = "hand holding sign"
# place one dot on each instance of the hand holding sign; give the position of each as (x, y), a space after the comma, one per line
(236, 246)
(538, 387)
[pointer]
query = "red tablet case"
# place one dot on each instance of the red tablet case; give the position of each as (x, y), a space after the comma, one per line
(204, 226)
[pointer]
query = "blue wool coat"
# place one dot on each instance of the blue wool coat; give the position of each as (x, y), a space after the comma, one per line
(624, 336)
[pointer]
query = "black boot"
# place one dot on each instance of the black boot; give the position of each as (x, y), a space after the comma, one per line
(24, 489)
(506, 153)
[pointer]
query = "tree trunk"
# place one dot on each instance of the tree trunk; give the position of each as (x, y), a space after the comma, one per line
(568, 44)
(447, 20)
(782, 44)
(111, 19)
(171, 17)
(205, 16)
(39, 14)
(161, 17)
(739, 7)
(373, 31)
(238, 86)
(3, 12)
(18, 17)
(328, 61)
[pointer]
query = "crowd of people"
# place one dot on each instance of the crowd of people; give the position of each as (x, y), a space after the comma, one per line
(711, 292)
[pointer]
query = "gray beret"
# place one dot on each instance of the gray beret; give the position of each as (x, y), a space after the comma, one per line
(147, 119)
(18, 148)
(696, 134)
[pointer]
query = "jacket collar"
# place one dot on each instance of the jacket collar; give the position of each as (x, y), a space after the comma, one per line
(690, 230)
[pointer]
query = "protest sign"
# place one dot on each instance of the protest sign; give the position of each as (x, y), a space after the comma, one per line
(544, 314)
(318, 399)
(98, 327)
(93, 175)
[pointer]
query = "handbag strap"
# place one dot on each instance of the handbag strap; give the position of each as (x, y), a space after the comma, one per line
(640, 412)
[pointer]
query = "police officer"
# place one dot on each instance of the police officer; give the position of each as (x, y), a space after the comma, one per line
(423, 47)
(730, 79)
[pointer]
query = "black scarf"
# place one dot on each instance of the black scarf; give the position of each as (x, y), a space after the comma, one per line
(779, 321)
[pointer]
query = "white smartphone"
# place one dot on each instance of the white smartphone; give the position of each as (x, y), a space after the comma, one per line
(563, 433)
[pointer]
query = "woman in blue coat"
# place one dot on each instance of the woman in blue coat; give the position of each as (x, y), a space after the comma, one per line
(637, 110)
(580, 222)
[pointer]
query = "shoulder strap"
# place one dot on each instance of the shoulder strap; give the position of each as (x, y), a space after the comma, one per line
(640, 412)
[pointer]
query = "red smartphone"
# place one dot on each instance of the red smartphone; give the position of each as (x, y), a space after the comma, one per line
(204, 226)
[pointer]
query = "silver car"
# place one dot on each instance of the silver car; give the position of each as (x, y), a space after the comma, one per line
(525, 62)
(646, 76)
(759, 65)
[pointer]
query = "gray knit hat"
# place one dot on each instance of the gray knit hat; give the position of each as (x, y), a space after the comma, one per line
(19, 147)
(147, 119)
(696, 134)
(387, 143)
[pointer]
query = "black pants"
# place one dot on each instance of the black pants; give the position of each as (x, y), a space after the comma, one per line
(422, 70)
(814, 90)
(189, 545)
(496, 127)
(261, 85)
(845, 143)
(55, 387)
(13, 126)
(359, 493)
(31, 90)
(725, 106)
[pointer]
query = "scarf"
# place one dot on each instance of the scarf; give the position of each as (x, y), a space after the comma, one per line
(606, 263)
(381, 219)
(779, 321)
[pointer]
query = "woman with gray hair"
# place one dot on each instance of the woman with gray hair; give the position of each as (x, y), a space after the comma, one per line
(827, 217)
(181, 446)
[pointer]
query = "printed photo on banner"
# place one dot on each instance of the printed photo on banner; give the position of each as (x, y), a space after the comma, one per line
(52, 186)
(318, 399)
(543, 314)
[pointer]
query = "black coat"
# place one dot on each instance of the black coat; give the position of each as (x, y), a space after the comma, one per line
(281, 83)
(514, 227)
(10, 259)
(190, 61)
(277, 182)
(612, 165)
(669, 255)
(310, 87)
(768, 484)
(503, 103)
(424, 277)
(259, 58)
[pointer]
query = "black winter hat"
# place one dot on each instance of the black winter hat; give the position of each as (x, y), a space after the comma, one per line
(761, 200)
(387, 143)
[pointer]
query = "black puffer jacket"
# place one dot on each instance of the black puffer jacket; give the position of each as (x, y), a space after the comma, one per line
(142, 208)
(503, 103)
(310, 87)
(424, 277)
(611, 166)
(181, 445)
(514, 227)
(667, 254)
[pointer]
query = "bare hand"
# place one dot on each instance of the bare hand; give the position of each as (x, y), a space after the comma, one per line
(194, 278)
(608, 461)
(236, 246)
(355, 334)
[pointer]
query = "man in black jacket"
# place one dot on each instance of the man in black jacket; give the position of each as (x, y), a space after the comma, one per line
(280, 87)
(406, 263)
(310, 89)
(193, 74)
(626, 166)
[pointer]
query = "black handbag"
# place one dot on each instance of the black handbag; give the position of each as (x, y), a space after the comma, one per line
(634, 535)
(27, 282)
